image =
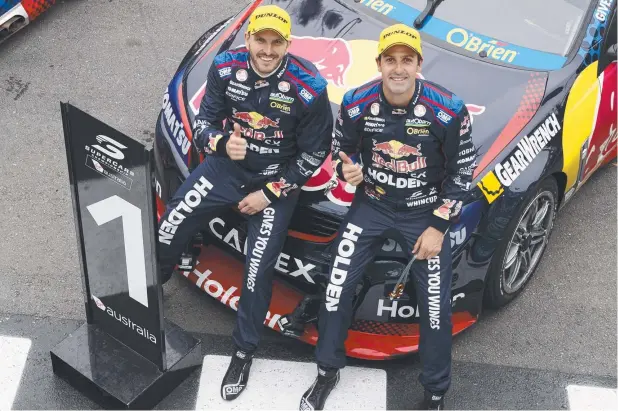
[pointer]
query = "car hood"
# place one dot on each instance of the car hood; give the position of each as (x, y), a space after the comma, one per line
(341, 41)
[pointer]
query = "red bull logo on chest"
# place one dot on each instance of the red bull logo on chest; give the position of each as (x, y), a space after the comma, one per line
(255, 120)
(399, 166)
(396, 149)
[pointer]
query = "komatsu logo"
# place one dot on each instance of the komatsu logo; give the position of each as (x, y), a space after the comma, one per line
(175, 126)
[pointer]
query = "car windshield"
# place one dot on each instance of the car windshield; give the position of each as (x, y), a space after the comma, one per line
(548, 26)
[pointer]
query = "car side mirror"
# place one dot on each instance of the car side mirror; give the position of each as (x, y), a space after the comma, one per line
(612, 51)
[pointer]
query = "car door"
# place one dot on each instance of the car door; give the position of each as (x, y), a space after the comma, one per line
(589, 132)
(602, 142)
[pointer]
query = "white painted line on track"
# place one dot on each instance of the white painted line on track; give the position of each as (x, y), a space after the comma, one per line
(278, 385)
(14, 355)
(583, 397)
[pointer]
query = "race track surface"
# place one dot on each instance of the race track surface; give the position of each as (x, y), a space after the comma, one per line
(113, 59)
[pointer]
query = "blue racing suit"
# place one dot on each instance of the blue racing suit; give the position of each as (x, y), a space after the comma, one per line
(417, 166)
(287, 121)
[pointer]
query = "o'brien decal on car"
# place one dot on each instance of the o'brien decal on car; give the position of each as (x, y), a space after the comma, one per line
(380, 6)
(474, 42)
(527, 150)
(495, 49)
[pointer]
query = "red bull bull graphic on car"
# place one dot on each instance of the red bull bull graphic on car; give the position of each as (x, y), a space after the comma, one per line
(345, 64)
(501, 148)
(348, 64)
(332, 56)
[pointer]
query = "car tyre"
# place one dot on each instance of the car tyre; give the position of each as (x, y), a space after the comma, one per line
(526, 237)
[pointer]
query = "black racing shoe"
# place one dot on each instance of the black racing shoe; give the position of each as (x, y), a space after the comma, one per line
(237, 375)
(433, 401)
(315, 397)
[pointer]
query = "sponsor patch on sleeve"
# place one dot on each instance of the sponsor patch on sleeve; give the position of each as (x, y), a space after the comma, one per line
(213, 141)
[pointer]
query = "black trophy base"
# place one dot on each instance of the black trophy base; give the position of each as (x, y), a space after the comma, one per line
(116, 377)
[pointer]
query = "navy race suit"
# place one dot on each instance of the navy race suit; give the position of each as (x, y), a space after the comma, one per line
(287, 122)
(412, 157)
(285, 117)
(417, 164)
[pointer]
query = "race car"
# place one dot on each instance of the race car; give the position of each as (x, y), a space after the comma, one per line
(539, 81)
(17, 14)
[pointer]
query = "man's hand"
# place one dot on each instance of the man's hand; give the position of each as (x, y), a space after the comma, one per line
(253, 203)
(236, 146)
(353, 173)
(428, 244)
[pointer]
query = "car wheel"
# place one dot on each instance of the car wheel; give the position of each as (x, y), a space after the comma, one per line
(523, 245)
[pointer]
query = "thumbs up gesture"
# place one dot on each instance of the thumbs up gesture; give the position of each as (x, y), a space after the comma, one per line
(353, 173)
(236, 146)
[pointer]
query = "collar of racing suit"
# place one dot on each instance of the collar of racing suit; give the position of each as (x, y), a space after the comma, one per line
(283, 65)
(417, 92)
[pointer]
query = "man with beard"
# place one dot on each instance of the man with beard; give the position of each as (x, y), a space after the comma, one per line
(265, 125)
(412, 138)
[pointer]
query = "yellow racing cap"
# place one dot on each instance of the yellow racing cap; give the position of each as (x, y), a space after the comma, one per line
(270, 18)
(400, 34)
